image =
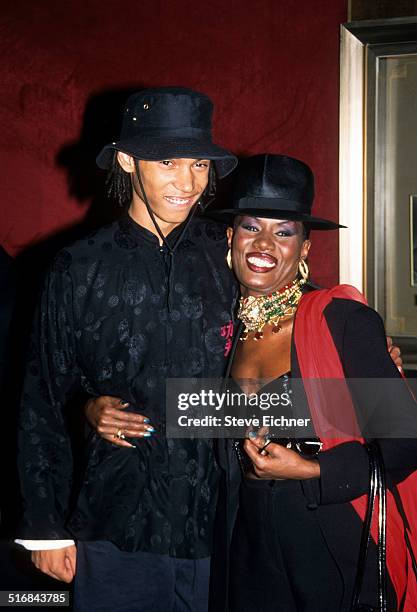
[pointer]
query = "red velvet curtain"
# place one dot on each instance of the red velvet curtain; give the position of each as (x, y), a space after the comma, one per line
(270, 66)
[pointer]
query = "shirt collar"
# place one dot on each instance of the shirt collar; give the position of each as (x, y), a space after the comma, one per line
(129, 225)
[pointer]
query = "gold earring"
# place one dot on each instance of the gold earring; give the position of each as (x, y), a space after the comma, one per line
(303, 270)
(229, 259)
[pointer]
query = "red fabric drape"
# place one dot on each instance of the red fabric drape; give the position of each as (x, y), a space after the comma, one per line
(271, 68)
(318, 359)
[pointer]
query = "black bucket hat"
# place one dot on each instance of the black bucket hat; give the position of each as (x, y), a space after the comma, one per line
(275, 187)
(168, 122)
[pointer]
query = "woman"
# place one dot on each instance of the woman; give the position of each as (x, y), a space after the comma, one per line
(288, 551)
(297, 530)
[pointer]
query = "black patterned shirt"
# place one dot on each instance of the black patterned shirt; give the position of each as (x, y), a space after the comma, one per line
(105, 325)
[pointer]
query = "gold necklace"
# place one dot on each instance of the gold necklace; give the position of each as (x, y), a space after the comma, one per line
(256, 312)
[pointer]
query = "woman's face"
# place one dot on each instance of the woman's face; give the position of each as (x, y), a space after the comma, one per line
(266, 253)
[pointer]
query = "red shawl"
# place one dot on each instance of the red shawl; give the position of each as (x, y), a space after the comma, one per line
(318, 359)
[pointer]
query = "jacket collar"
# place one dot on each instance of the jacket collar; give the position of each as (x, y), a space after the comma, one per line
(130, 226)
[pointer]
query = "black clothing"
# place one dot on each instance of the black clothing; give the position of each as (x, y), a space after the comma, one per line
(111, 580)
(105, 326)
(359, 337)
(279, 553)
(280, 558)
(7, 295)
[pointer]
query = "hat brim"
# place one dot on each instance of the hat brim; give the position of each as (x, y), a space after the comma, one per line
(156, 149)
(227, 215)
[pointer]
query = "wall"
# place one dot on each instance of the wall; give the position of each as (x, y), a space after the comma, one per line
(381, 9)
(271, 67)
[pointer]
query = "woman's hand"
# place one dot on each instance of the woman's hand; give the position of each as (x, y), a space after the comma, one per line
(395, 353)
(279, 462)
(108, 416)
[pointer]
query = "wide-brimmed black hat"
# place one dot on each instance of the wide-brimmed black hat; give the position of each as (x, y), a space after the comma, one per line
(168, 122)
(275, 187)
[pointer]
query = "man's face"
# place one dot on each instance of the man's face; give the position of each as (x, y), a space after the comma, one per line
(172, 187)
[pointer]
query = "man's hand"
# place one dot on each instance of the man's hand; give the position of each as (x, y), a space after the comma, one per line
(59, 563)
(108, 416)
(395, 353)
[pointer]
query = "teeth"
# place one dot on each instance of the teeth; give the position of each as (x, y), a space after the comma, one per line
(178, 200)
(261, 263)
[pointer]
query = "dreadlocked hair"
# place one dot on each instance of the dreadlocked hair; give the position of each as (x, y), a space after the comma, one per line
(118, 184)
(210, 191)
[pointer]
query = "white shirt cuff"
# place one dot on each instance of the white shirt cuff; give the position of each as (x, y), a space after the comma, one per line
(44, 544)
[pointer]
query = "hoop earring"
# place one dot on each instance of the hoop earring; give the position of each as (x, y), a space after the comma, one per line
(229, 259)
(303, 270)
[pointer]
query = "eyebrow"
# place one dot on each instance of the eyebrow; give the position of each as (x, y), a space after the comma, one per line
(283, 222)
(287, 222)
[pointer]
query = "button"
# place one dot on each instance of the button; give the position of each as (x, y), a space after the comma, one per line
(146, 106)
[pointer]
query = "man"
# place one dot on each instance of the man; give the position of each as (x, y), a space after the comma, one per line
(139, 301)
(7, 293)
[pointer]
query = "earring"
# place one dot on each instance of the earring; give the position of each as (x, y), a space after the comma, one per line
(303, 270)
(229, 259)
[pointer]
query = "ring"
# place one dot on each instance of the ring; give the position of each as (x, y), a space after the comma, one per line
(261, 450)
(119, 434)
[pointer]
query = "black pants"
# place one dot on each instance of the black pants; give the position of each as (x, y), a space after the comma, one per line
(111, 580)
(280, 560)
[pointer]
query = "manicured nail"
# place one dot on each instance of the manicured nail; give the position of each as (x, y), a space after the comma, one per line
(152, 429)
(252, 434)
(146, 420)
(147, 434)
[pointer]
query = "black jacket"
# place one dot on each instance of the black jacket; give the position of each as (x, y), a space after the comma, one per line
(118, 316)
(359, 337)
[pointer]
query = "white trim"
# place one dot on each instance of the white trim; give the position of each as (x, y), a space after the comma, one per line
(45, 544)
(351, 160)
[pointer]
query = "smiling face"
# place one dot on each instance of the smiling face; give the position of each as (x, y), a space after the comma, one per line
(266, 253)
(172, 187)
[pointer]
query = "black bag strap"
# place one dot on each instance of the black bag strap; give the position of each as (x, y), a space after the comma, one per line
(382, 527)
(377, 487)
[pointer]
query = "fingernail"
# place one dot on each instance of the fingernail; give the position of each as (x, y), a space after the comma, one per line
(146, 420)
(147, 434)
(149, 428)
(252, 434)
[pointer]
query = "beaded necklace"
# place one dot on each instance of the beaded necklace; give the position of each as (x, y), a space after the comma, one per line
(256, 312)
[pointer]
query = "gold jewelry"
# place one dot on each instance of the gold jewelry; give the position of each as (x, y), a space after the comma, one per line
(119, 434)
(229, 259)
(256, 312)
(303, 270)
